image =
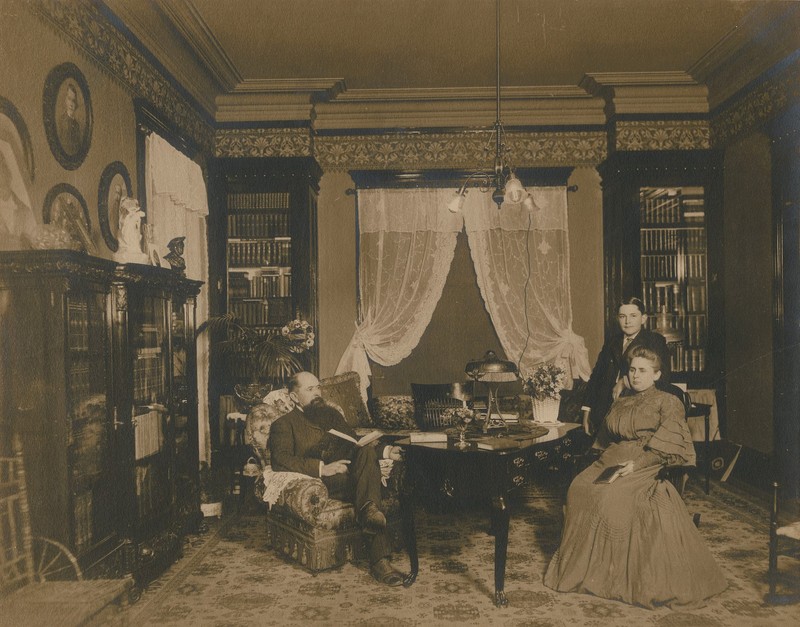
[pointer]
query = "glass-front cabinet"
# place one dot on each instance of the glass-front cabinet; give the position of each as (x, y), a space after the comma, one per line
(156, 404)
(661, 211)
(56, 382)
(674, 271)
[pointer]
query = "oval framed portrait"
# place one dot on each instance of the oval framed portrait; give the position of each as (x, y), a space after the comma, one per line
(14, 132)
(67, 112)
(65, 208)
(115, 184)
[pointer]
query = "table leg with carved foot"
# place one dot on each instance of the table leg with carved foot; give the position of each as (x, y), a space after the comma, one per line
(410, 536)
(501, 516)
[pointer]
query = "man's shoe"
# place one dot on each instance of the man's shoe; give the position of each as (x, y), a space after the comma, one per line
(384, 573)
(371, 518)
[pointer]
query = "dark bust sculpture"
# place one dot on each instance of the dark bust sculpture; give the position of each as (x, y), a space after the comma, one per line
(175, 256)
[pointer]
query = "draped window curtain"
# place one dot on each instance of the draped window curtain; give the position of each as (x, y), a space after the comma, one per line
(177, 205)
(407, 242)
(522, 264)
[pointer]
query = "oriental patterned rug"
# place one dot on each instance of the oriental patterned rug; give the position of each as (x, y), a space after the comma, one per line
(229, 577)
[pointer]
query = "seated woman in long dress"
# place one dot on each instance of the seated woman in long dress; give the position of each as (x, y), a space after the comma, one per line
(633, 540)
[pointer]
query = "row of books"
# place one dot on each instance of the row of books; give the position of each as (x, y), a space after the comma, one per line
(83, 520)
(695, 328)
(257, 254)
(670, 209)
(81, 382)
(671, 240)
(665, 267)
(258, 200)
(261, 312)
(688, 359)
(148, 376)
(263, 285)
(148, 433)
(657, 295)
(258, 225)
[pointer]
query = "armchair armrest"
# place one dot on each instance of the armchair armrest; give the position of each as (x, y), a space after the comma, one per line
(305, 496)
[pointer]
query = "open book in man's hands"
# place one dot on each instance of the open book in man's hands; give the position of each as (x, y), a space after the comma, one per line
(362, 441)
(336, 445)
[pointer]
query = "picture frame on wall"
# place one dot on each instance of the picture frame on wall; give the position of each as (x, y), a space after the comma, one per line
(115, 184)
(66, 209)
(67, 113)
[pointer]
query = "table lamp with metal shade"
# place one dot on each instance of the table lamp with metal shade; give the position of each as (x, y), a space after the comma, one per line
(493, 371)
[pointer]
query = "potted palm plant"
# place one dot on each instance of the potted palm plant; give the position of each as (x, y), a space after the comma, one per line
(269, 358)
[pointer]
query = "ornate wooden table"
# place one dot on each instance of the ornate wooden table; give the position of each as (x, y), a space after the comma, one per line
(473, 473)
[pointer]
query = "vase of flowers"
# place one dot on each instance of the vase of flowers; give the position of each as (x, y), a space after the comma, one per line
(461, 417)
(544, 384)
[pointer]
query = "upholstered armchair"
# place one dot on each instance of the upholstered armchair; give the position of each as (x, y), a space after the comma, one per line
(304, 523)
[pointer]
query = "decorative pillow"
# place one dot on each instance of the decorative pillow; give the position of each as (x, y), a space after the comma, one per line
(306, 498)
(344, 390)
(256, 431)
(394, 413)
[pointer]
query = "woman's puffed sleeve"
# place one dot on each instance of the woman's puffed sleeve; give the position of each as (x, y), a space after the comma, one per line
(672, 440)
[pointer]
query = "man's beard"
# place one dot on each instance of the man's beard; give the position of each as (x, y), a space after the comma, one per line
(320, 413)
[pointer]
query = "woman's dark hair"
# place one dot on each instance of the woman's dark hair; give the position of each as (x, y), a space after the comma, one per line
(646, 353)
(633, 300)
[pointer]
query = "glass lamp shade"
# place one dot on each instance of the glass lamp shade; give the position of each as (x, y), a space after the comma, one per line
(456, 202)
(515, 192)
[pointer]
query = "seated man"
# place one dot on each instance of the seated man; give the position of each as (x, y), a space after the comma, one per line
(295, 446)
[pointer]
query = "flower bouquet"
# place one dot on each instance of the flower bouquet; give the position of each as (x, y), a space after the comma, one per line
(544, 384)
(461, 417)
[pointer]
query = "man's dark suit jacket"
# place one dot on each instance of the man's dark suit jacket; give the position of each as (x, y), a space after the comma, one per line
(294, 441)
(611, 363)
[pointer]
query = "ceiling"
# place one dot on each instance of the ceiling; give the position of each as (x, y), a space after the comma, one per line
(380, 63)
(451, 43)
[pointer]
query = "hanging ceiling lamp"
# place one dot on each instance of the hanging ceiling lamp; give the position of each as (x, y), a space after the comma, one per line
(502, 182)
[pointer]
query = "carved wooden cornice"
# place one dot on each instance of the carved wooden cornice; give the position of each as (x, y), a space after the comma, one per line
(663, 135)
(751, 111)
(264, 142)
(84, 27)
(70, 264)
(153, 277)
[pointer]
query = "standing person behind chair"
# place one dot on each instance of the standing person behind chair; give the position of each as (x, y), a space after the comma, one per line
(294, 444)
(632, 539)
(609, 376)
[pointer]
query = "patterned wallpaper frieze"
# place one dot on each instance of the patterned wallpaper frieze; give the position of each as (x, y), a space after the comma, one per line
(663, 135)
(751, 112)
(458, 150)
(83, 26)
(264, 142)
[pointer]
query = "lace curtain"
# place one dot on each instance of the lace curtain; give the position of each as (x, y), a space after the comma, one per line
(177, 205)
(534, 324)
(407, 242)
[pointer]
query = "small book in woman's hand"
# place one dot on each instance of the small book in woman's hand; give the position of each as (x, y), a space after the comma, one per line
(610, 474)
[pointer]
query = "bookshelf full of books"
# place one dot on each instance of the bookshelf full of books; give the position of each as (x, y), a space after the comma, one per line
(154, 327)
(269, 209)
(674, 271)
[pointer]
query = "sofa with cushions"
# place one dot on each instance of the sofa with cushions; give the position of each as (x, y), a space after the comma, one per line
(304, 524)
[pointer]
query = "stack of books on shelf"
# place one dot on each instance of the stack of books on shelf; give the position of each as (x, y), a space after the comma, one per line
(148, 436)
(78, 325)
(258, 201)
(258, 225)
(274, 252)
(148, 373)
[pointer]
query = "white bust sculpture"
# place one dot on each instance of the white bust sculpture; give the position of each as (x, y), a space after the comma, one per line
(130, 232)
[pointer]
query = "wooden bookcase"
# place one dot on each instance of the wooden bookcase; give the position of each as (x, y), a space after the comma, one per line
(98, 379)
(270, 208)
(662, 217)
